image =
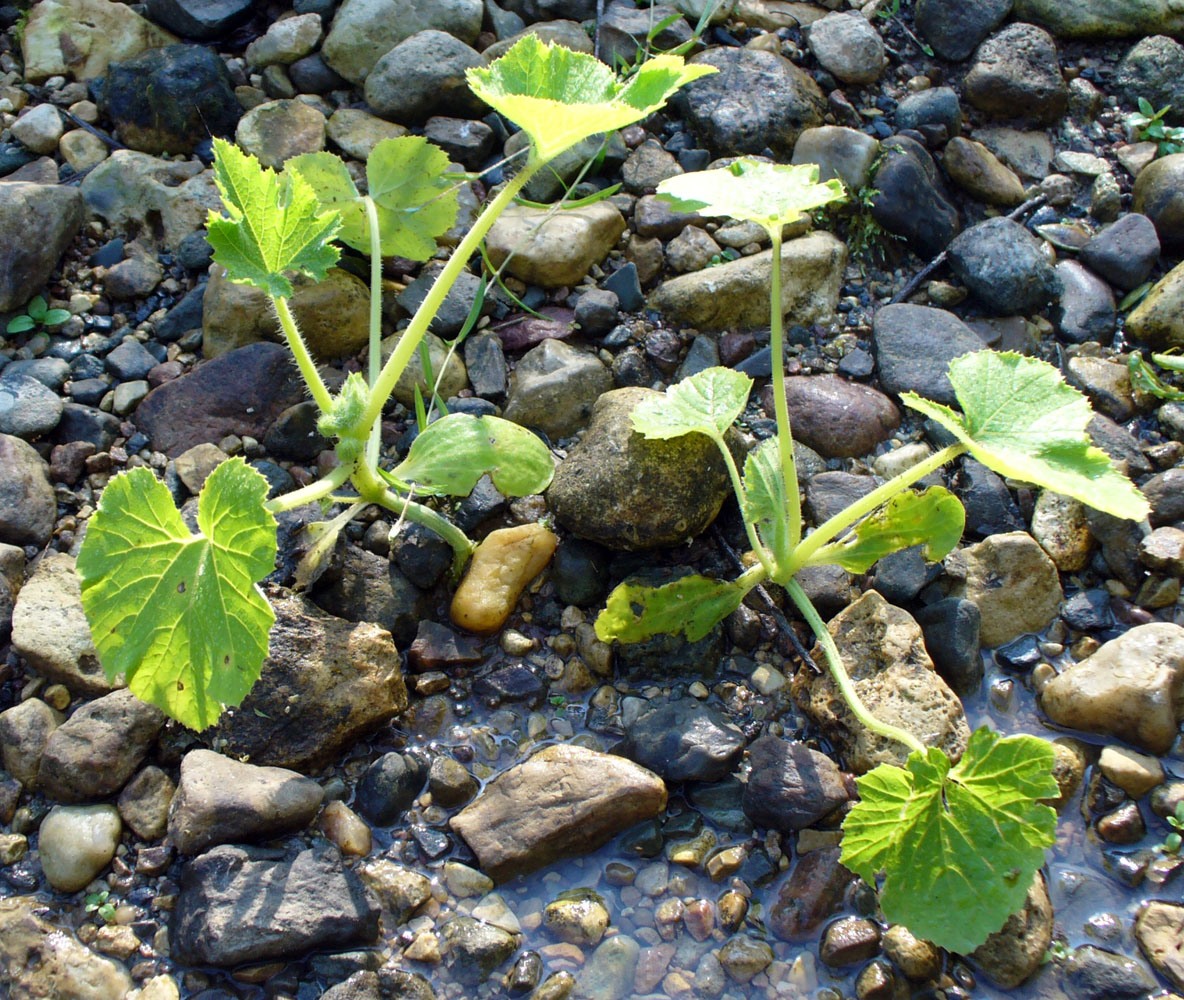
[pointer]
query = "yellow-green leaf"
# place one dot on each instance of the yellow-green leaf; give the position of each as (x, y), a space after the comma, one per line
(693, 605)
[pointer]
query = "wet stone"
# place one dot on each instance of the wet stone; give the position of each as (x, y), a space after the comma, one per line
(476, 949)
(790, 786)
(813, 892)
(684, 740)
(1093, 973)
(450, 783)
(1159, 929)
(577, 916)
(952, 631)
(848, 941)
(76, 843)
(1123, 825)
(389, 787)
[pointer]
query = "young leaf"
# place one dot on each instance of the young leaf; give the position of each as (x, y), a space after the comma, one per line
(274, 224)
(770, 194)
(558, 97)
(708, 402)
(766, 502)
(458, 449)
(179, 614)
(1021, 419)
(1144, 378)
(959, 846)
(692, 605)
(934, 518)
(19, 324)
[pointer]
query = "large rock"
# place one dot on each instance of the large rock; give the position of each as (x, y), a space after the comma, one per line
(201, 20)
(564, 800)
(790, 786)
(1104, 18)
(1158, 321)
(914, 346)
(221, 801)
(49, 628)
(955, 29)
(884, 652)
(325, 683)
(912, 200)
(240, 905)
(28, 507)
(1159, 929)
(1157, 194)
(736, 293)
(424, 75)
(1005, 266)
(1014, 952)
(554, 248)
(79, 38)
(1132, 688)
(76, 843)
(628, 492)
(1016, 75)
(555, 387)
(836, 417)
(684, 740)
(51, 212)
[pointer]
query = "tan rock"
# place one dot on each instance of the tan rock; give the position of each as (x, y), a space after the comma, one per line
(79, 38)
(504, 563)
(1015, 951)
(1158, 321)
(564, 800)
(979, 173)
(448, 371)
(1135, 773)
(346, 829)
(554, 248)
(1060, 525)
(1159, 929)
(356, 132)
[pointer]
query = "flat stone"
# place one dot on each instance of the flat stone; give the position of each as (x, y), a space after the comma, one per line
(80, 38)
(552, 249)
(1159, 929)
(1103, 18)
(790, 786)
(684, 740)
(914, 346)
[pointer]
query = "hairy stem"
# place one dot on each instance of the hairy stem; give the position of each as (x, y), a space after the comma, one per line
(789, 469)
(839, 673)
(310, 493)
(375, 350)
(308, 368)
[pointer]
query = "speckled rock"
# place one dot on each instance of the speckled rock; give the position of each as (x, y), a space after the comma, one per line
(1013, 953)
(79, 38)
(27, 504)
(1003, 264)
(55, 214)
(1157, 195)
(955, 29)
(848, 47)
(1016, 74)
(914, 346)
(278, 130)
(424, 75)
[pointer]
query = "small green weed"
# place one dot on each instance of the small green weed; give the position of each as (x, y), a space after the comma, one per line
(37, 313)
(1173, 841)
(1148, 126)
(99, 904)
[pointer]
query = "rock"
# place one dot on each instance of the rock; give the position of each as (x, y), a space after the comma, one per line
(1060, 525)
(847, 47)
(555, 387)
(79, 38)
(977, 171)
(683, 740)
(454, 311)
(220, 801)
(1124, 253)
(200, 20)
(450, 782)
(836, 418)
(24, 732)
(628, 492)
(1157, 195)
(1153, 69)
(554, 248)
(1014, 952)
(736, 293)
(50, 631)
(466, 141)
(27, 505)
(360, 586)
(400, 890)
(380, 985)
(627, 33)
(285, 41)
(1013, 583)
(935, 111)
(744, 958)
(790, 786)
(914, 346)
(278, 130)
(240, 393)
(356, 132)
(76, 843)
(952, 633)
(1159, 929)
(1028, 153)
(307, 902)
(845, 153)
(758, 100)
(131, 360)
(1131, 688)
(647, 165)
(1086, 309)
(446, 365)
(1107, 385)
(814, 891)
(577, 916)
(38, 129)
(609, 974)
(43, 960)
(424, 75)
(55, 214)
(1002, 263)
(365, 30)
(884, 652)
(955, 29)
(1163, 490)
(28, 409)
(476, 949)
(389, 787)
(144, 803)
(578, 799)
(848, 941)
(1093, 973)
(505, 562)
(170, 99)
(1103, 18)
(912, 201)
(1016, 74)
(325, 683)
(94, 752)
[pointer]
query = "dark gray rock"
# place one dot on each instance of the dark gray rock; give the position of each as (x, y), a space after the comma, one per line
(476, 949)
(467, 141)
(914, 346)
(827, 493)
(201, 20)
(791, 786)
(1016, 75)
(625, 31)
(900, 576)
(684, 740)
(86, 423)
(240, 905)
(1124, 253)
(936, 106)
(312, 75)
(987, 500)
(912, 200)
(951, 631)
(1003, 264)
(294, 434)
(186, 315)
(486, 361)
(422, 76)
(457, 305)
(55, 214)
(130, 360)
(1165, 490)
(389, 787)
(1153, 68)
(50, 372)
(955, 29)
(1096, 974)
(1086, 308)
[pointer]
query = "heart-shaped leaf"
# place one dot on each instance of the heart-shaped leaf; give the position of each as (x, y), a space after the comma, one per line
(708, 402)
(179, 615)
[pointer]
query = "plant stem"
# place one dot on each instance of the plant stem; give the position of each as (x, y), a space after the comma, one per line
(375, 354)
(841, 678)
(834, 526)
(310, 493)
(789, 469)
(308, 368)
(409, 341)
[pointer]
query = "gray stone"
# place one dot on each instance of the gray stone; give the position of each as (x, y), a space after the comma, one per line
(1029, 153)
(144, 803)
(476, 949)
(38, 129)
(1016, 75)
(936, 107)
(955, 29)
(1093, 973)
(1124, 253)
(55, 214)
(28, 409)
(683, 740)
(609, 974)
(914, 346)
(1002, 263)
(24, 731)
(952, 629)
(130, 360)
(240, 905)
(356, 132)
(555, 387)
(912, 201)
(626, 31)
(790, 786)
(845, 153)
(94, 752)
(837, 418)
(1103, 18)
(629, 492)
(76, 843)
(201, 20)
(422, 76)
(1086, 309)
(285, 41)
(554, 248)
(1153, 69)
(848, 47)
(278, 130)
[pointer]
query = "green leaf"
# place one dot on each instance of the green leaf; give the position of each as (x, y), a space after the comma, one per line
(37, 307)
(934, 518)
(958, 847)
(1144, 378)
(321, 537)
(558, 97)
(1023, 421)
(766, 500)
(19, 324)
(55, 317)
(180, 615)
(458, 449)
(770, 194)
(274, 224)
(708, 402)
(692, 605)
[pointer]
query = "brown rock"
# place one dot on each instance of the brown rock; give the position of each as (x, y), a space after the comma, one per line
(562, 801)
(27, 504)
(814, 891)
(1159, 929)
(977, 170)
(51, 212)
(837, 418)
(1017, 949)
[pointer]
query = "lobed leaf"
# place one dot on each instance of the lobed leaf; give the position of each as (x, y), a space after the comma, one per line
(708, 402)
(766, 502)
(692, 605)
(180, 615)
(558, 97)
(770, 194)
(933, 518)
(273, 224)
(1021, 419)
(959, 845)
(458, 449)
